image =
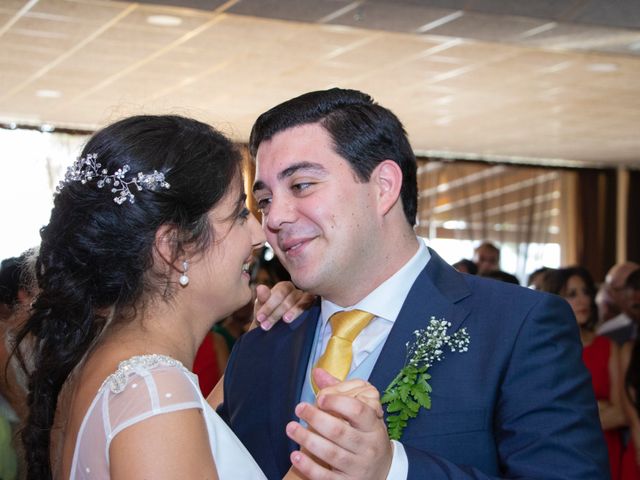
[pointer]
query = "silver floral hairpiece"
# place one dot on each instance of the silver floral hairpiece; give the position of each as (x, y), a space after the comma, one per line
(86, 169)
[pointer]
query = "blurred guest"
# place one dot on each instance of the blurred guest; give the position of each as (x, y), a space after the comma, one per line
(600, 354)
(631, 370)
(502, 276)
(210, 361)
(8, 458)
(10, 291)
(607, 308)
(618, 327)
(536, 278)
(486, 256)
(632, 292)
(16, 293)
(268, 270)
(466, 266)
(8, 418)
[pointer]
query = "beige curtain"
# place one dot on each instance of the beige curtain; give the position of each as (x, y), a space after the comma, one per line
(500, 203)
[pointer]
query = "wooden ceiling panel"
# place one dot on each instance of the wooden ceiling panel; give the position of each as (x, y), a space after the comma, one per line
(477, 93)
(79, 12)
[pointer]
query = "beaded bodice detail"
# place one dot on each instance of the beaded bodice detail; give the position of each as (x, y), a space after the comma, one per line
(117, 381)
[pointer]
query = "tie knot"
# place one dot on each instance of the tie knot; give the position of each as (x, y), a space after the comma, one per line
(349, 324)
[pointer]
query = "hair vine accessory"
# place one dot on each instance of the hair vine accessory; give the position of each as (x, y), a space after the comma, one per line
(184, 279)
(87, 169)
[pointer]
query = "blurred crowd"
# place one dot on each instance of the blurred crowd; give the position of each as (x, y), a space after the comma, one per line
(607, 316)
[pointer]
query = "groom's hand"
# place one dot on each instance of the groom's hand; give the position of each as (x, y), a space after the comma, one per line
(346, 432)
(356, 388)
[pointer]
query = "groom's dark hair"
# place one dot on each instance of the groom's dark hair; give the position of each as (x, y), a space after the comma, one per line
(363, 133)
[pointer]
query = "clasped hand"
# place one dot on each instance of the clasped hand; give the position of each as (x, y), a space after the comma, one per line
(346, 435)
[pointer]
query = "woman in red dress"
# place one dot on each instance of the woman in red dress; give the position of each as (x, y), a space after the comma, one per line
(631, 373)
(600, 355)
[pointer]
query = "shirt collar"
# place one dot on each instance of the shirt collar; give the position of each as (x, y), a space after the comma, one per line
(387, 299)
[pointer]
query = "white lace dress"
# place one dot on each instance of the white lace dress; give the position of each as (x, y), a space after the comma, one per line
(142, 387)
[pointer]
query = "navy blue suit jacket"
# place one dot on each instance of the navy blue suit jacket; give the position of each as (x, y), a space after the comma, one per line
(518, 404)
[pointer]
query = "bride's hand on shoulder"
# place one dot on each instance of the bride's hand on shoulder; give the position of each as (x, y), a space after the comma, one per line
(283, 301)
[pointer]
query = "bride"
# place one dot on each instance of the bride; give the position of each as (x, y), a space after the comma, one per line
(148, 245)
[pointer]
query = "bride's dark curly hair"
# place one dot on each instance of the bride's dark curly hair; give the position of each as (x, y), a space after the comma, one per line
(96, 255)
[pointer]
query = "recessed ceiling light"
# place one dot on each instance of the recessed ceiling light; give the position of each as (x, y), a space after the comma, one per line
(602, 67)
(454, 225)
(164, 20)
(45, 127)
(48, 93)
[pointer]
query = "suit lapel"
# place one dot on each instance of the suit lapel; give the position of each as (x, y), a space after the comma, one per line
(435, 293)
(289, 366)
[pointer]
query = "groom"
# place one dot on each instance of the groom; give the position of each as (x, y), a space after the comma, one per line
(336, 185)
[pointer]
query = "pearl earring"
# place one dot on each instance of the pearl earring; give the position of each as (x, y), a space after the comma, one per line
(184, 279)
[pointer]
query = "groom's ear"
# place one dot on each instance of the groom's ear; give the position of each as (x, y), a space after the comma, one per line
(165, 252)
(388, 178)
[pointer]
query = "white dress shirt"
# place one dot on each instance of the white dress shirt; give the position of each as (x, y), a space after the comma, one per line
(385, 303)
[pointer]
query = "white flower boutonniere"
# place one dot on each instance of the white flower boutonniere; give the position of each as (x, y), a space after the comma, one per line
(409, 390)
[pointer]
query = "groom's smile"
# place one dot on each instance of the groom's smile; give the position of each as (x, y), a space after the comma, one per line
(312, 206)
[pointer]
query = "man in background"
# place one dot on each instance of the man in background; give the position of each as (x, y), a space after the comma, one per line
(487, 258)
(612, 302)
(632, 293)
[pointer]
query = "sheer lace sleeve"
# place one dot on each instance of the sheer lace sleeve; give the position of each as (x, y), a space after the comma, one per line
(148, 393)
(141, 388)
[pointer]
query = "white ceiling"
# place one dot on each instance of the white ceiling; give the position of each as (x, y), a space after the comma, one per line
(551, 82)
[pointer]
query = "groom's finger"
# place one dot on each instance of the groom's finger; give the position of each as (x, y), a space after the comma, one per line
(324, 379)
(327, 427)
(330, 385)
(364, 393)
(355, 388)
(358, 413)
(308, 467)
(323, 449)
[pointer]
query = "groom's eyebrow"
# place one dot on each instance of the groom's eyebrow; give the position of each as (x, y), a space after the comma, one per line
(310, 167)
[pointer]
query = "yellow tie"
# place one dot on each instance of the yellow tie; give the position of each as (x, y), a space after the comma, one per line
(345, 327)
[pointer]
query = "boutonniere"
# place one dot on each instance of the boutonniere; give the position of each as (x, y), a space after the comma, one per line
(409, 390)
